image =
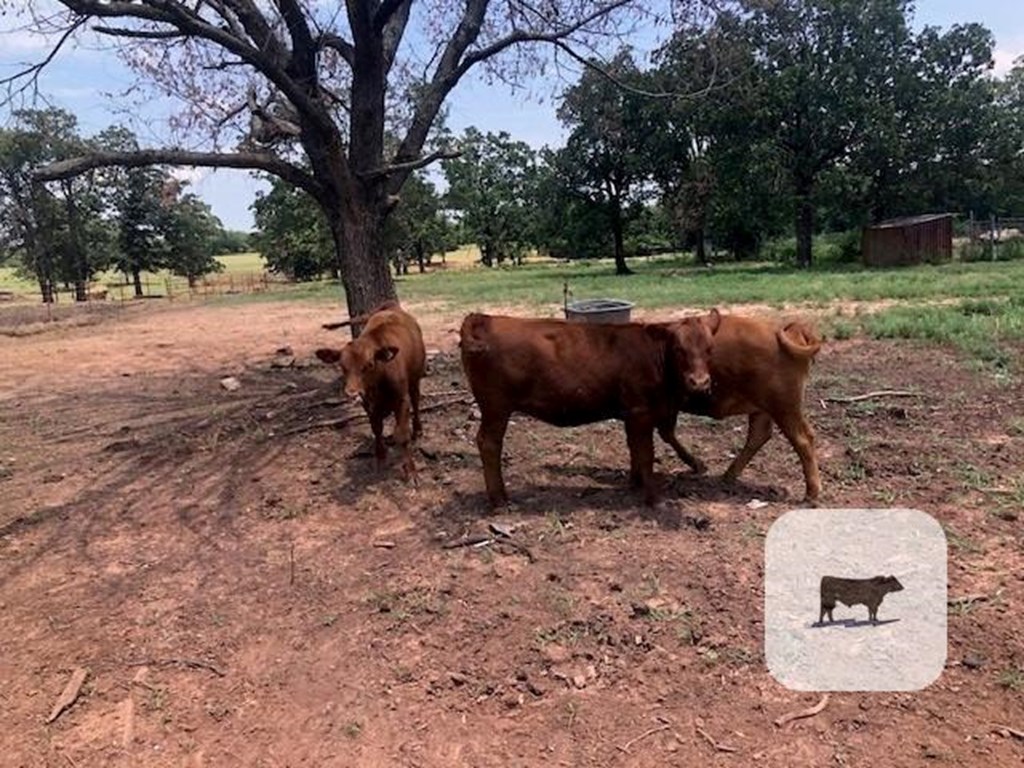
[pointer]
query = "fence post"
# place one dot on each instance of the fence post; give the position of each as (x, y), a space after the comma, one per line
(992, 235)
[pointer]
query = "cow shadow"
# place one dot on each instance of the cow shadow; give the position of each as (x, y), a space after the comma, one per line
(614, 504)
(851, 623)
(678, 484)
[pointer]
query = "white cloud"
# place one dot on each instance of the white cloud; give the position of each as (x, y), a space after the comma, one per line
(1004, 59)
(191, 175)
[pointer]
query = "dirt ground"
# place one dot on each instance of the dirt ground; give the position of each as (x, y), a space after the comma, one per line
(244, 589)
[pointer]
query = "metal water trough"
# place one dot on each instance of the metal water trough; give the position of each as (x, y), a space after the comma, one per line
(598, 311)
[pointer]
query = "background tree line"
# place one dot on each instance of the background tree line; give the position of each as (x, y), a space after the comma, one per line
(754, 119)
(773, 119)
(131, 220)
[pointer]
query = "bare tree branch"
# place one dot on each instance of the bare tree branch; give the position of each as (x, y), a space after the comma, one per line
(386, 10)
(411, 165)
(338, 44)
(141, 34)
(269, 57)
(32, 72)
(262, 161)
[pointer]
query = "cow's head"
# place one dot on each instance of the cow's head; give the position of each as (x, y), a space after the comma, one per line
(889, 583)
(692, 351)
(362, 362)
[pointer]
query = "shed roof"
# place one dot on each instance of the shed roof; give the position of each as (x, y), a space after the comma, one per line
(909, 221)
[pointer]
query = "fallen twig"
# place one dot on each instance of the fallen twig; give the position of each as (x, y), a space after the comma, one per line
(873, 395)
(359, 416)
(69, 694)
(193, 663)
(967, 599)
(467, 541)
(717, 746)
(1005, 730)
(625, 747)
(809, 712)
(518, 547)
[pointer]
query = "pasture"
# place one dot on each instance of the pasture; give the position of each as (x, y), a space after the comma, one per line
(244, 589)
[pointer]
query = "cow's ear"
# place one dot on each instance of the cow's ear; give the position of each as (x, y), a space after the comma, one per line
(714, 320)
(328, 355)
(385, 353)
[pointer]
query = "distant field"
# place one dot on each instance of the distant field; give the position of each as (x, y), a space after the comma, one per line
(235, 264)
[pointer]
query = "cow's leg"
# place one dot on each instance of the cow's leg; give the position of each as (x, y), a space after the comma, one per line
(414, 393)
(801, 436)
(489, 440)
(380, 450)
(759, 430)
(640, 439)
(667, 432)
(403, 437)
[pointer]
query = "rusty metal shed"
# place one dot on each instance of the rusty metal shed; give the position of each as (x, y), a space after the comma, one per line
(908, 240)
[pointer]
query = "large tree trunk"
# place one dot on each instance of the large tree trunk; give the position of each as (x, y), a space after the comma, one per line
(137, 281)
(701, 247)
(804, 222)
(621, 268)
(359, 243)
(46, 289)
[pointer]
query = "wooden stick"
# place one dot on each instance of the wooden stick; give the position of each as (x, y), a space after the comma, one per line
(69, 694)
(715, 745)
(809, 712)
(193, 663)
(625, 747)
(872, 395)
(468, 541)
(1007, 730)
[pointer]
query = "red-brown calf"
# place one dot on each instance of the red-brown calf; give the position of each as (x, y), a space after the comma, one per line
(568, 374)
(760, 368)
(382, 369)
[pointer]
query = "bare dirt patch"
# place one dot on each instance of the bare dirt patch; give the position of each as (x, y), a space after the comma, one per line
(244, 589)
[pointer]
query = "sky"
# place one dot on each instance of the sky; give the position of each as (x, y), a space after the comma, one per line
(90, 82)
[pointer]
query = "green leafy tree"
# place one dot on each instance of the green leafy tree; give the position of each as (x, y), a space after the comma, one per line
(292, 234)
(825, 70)
(603, 156)
(190, 233)
(56, 231)
(491, 183)
(136, 198)
(567, 225)
(418, 228)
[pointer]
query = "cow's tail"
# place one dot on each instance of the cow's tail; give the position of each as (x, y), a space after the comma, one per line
(799, 340)
(361, 319)
(471, 334)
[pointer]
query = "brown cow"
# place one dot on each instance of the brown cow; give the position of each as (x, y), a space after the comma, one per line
(760, 368)
(382, 369)
(569, 374)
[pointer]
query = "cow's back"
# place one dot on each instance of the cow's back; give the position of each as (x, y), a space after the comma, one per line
(752, 370)
(560, 372)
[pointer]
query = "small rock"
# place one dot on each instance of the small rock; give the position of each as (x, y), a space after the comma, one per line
(579, 680)
(284, 352)
(458, 678)
(503, 529)
(973, 661)
(474, 414)
(282, 362)
(756, 504)
(555, 653)
(230, 383)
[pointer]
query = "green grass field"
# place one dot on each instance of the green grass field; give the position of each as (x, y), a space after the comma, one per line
(977, 306)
